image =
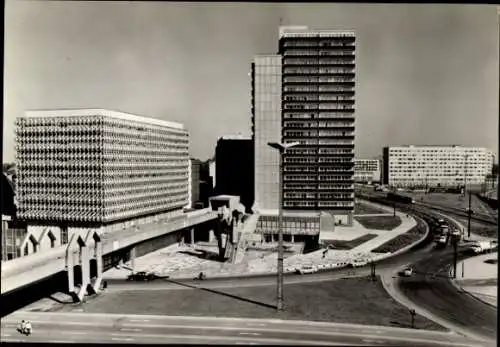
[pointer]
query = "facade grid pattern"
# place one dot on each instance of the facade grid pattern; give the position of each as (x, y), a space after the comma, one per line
(266, 127)
(95, 167)
(366, 170)
(318, 111)
(292, 225)
(436, 166)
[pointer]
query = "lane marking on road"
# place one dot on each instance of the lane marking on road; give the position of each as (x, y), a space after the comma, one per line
(246, 343)
(74, 332)
(256, 324)
(122, 339)
(130, 329)
(61, 341)
(373, 341)
(139, 320)
(256, 334)
(6, 335)
(316, 332)
(371, 331)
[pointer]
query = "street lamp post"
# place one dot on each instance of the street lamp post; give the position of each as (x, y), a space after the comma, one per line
(281, 147)
(469, 213)
(469, 210)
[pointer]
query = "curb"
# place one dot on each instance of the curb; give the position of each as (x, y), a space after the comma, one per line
(455, 283)
(402, 300)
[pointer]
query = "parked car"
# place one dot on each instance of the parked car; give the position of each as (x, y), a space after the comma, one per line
(477, 249)
(141, 276)
(358, 263)
(307, 269)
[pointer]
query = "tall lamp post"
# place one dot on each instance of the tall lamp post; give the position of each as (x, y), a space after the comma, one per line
(281, 147)
(469, 209)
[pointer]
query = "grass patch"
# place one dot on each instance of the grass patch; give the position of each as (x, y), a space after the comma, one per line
(349, 244)
(355, 300)
(403, 240)
(379, 222)
(366, 209)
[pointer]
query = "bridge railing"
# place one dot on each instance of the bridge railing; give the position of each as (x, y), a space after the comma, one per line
(111, 242)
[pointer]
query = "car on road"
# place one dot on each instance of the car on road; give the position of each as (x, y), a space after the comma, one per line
(406, 272)
(307, 269)
(141, 276)
(442, 239)
(456, 234)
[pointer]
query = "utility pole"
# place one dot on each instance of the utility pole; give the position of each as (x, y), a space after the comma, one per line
(394, 212)
(455, 257)
(281, 149)
(469, 214)
(412, 313)
(280, 236)
(465, 174)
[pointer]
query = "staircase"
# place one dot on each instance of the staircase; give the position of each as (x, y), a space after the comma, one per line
(247, 229)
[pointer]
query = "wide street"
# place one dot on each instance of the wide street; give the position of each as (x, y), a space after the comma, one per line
(109, 328)
(428, 288)
(431, 289)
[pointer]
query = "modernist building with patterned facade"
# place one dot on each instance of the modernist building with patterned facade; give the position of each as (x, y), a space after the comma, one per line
(367, 170)
(436, 166)
(93, 167)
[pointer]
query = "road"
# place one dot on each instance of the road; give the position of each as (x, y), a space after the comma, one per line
(438, 295)
(106, 328)
(477, 216)
(264, 280)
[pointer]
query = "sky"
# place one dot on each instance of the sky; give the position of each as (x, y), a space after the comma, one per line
(426, 74)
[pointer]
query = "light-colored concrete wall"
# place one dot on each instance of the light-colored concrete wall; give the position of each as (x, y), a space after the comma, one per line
(341, 218)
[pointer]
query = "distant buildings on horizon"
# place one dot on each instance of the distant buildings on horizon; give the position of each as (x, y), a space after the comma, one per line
(436, 166)
(367, 170)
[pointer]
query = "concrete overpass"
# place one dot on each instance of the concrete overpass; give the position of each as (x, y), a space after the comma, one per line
(82, 250)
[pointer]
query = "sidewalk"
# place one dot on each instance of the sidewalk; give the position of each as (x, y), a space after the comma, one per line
(475, 277)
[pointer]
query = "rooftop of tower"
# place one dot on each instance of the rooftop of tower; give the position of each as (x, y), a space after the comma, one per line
(304, 31)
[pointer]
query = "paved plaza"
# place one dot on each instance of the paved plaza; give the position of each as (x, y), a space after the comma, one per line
(186, 261)
(479, 278)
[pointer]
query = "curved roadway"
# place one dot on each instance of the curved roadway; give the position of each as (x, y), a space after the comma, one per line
(429, 288)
